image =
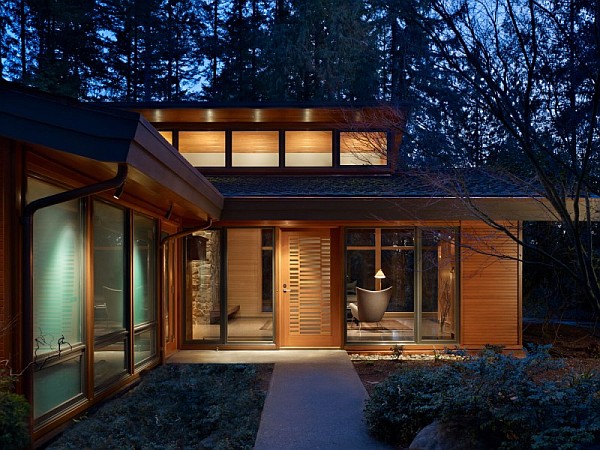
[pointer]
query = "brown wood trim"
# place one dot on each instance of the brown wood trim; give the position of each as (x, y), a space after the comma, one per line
(305, 225)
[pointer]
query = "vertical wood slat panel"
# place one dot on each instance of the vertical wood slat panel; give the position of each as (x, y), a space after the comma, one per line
(490, 309)
(310, 274)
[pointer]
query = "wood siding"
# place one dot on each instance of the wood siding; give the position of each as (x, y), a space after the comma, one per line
(490, 287)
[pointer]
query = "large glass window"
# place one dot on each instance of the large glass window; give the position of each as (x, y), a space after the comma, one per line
(144, 269)
(58, 299)
(438, 319)
(308, 148)
(57, 384)
(419, 266)
(255, 148)
(110, 248)
(203, 148)
(110, 361)
(363, 148)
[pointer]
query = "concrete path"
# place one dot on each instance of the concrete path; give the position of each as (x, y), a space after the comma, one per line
(315, 399)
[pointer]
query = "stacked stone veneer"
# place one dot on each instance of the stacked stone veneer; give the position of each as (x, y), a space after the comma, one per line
(204, 288)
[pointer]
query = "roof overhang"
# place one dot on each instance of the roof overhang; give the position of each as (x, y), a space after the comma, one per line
(387, 208)
(210, 115)
(96, 139)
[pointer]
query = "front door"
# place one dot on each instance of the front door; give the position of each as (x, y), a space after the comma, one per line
(309, 313)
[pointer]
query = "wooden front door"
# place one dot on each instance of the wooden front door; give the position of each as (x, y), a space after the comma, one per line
(308, 309)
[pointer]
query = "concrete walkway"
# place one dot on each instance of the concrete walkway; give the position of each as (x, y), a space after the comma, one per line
(315, 399)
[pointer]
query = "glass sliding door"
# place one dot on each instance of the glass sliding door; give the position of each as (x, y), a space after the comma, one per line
(249, 284)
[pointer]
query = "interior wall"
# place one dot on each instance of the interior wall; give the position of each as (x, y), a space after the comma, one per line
(244, 274)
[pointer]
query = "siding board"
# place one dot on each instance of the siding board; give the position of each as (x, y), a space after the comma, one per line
(490, 287)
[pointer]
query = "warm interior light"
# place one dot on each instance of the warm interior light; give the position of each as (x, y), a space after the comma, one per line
(380, 274)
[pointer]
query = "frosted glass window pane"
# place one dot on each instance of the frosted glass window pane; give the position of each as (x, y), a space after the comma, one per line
(203, 148)
(57, 272)
(255, 148)
(308, 149)
(55, 385)
(109, 268)
(109, 362)
(145, 346)
(144, 269)
(363, 148)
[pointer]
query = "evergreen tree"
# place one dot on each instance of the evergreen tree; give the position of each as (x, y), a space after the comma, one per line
(66, 50)
(322, 50)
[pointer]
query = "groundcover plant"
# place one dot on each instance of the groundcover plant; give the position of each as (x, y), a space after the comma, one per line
(177, 406)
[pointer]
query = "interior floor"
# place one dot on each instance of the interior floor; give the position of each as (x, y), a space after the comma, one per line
(260, 329)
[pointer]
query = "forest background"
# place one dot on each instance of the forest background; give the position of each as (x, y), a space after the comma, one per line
(511, 87)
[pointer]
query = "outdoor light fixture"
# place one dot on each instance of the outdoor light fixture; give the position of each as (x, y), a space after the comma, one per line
(119, 192)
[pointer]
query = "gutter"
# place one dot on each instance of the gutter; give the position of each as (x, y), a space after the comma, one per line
(187, 232)
(27, 294)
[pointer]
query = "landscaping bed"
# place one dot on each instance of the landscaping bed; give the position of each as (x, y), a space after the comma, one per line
(178, 406)
(547, 399)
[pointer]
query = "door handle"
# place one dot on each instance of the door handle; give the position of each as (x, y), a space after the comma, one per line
(285, 288)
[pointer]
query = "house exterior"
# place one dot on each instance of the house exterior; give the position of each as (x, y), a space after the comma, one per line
(132, 231)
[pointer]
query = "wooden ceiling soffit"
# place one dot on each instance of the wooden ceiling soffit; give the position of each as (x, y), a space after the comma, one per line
(381, 209)
(367, 116)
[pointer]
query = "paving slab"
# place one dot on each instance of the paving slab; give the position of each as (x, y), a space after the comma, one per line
(315, 399)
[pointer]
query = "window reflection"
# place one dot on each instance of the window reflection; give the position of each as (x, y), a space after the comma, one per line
(363, 148)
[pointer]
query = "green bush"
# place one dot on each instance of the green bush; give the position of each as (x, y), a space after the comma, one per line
(14, 415)
(405, 402)
(511, 401)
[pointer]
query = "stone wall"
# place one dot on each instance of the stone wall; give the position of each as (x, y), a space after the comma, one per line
(204, 289)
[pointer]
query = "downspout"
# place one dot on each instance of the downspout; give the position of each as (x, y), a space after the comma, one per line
(28, 212)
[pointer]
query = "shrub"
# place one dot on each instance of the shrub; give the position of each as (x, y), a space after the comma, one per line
(514, 403)
(14, 415)
(404, 403)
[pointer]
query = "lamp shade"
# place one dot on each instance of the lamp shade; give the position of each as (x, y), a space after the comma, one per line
(380, 274)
